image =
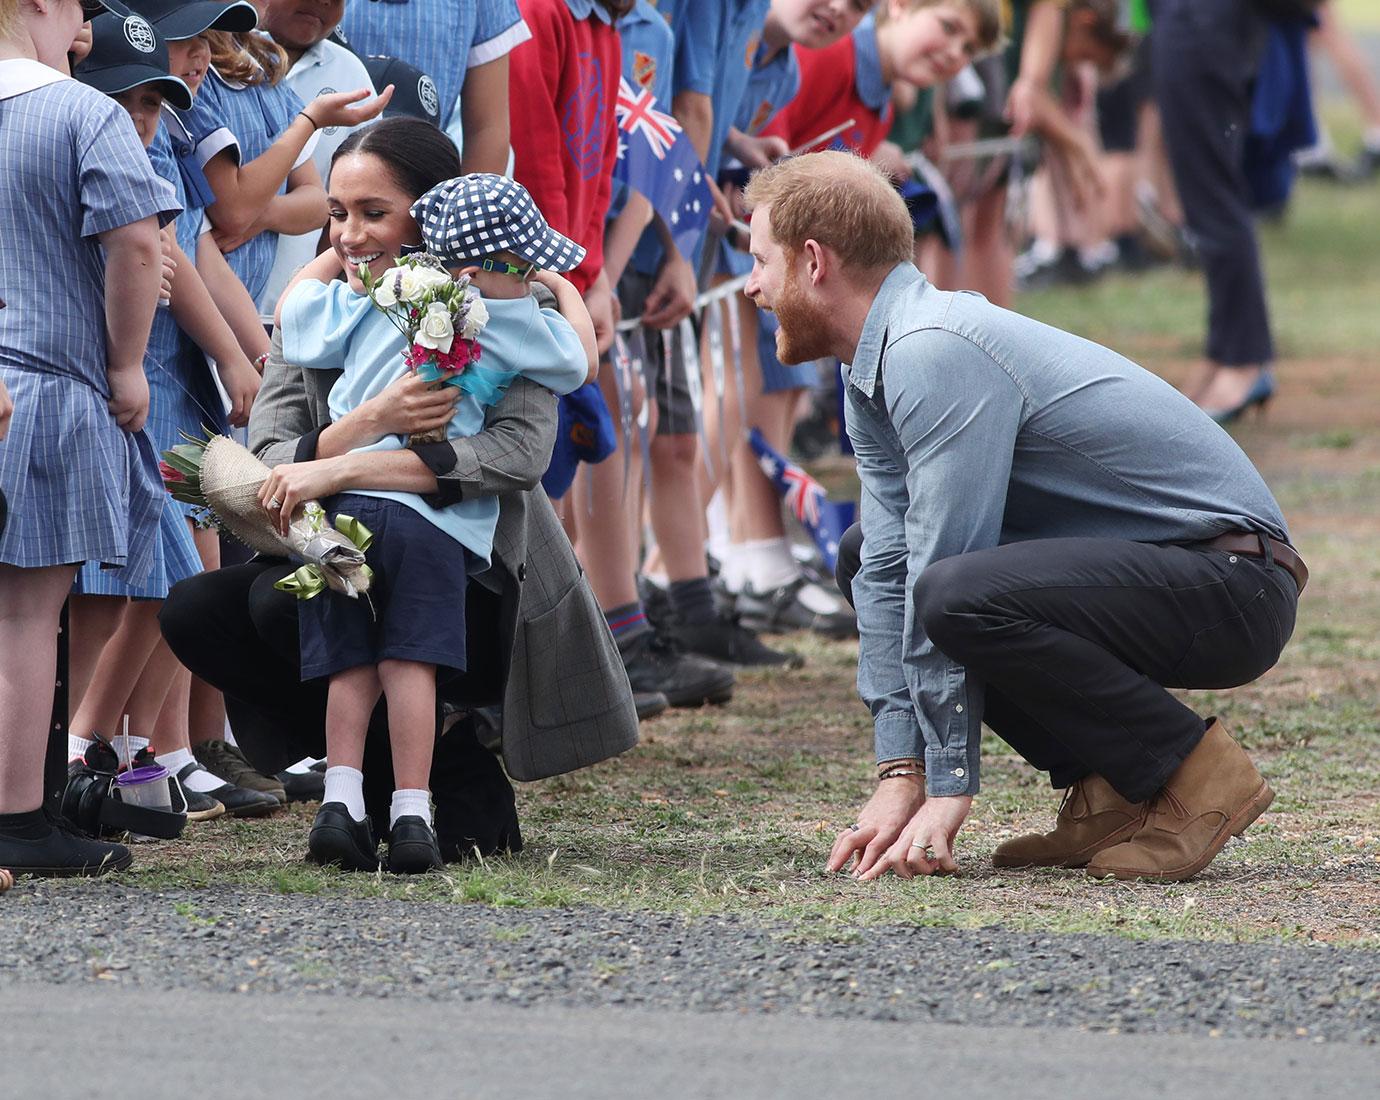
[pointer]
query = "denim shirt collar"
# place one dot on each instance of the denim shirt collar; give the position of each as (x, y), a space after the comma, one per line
(583, 9)
(862, 372)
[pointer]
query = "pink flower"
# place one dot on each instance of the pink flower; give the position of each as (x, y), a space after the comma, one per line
(169, 475)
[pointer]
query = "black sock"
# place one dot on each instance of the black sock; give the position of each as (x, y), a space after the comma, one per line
(693, 600)
(26, 826)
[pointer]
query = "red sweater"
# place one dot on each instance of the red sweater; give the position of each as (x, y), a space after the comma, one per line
(562, 87)
(829, 97)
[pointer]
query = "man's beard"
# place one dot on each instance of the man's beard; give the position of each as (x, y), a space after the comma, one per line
(803, 335)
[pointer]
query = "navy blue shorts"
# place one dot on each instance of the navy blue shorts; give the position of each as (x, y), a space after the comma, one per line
(418, 596)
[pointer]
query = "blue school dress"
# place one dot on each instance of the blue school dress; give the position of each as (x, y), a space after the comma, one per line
(172, 364)
(257, 115)
(443, 38)
(78, 487)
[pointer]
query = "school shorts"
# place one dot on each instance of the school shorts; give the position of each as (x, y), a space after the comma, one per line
(414, 609)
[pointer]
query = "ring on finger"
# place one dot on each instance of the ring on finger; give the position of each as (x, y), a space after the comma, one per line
(855, 827)
(275, 503)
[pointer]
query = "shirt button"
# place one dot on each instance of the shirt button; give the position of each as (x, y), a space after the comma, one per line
(958, 709)
(1232, 559)
(958, 772)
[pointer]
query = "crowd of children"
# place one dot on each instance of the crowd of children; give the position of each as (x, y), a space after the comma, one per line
(158, 205)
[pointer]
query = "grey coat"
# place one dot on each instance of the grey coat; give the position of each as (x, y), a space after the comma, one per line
(566, 699)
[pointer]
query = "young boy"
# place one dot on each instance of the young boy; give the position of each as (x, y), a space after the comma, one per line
(487, 227)
(923, 42)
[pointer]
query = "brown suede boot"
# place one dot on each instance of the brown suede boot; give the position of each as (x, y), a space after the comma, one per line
(1091, 817)
(1214, 795)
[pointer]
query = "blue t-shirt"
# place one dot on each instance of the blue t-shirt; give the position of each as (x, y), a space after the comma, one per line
(256, 115)
(716, 44)
(773, 83)
(648, 57)
(327, 326)
(443, 38)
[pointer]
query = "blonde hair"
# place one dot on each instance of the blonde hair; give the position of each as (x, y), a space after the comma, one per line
(247, 58)
(839, 200)
(9, 18)
(988, 13)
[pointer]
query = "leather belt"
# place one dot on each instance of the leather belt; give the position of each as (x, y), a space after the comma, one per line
(1286, 557)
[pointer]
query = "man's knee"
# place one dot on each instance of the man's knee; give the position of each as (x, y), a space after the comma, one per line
(943, 600)
(849, 561)
(191, 605)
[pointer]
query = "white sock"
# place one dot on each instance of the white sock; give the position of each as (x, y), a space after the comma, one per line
(408, 802)
(198, 779)
(766, 564)
(302, 766)
(346, 785)
(77, 746)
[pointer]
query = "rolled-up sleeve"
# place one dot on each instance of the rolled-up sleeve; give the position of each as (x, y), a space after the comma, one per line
(934, 446)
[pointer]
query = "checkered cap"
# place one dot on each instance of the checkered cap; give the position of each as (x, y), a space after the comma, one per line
(481, 214)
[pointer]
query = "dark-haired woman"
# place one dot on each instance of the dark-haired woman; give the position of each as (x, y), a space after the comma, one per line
(539, 647)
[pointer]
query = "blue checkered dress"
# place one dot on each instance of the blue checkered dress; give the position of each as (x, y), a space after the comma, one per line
(79, 489)
(443, 38)
(182, 398)
(256, 115)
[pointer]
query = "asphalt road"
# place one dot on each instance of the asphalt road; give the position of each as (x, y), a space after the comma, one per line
(63, 1041)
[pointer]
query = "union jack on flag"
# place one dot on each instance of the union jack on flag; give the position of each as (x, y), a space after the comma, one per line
(637, 114)
(824, 520)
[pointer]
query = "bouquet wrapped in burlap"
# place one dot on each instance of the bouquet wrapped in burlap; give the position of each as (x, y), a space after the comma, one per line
(223, 477)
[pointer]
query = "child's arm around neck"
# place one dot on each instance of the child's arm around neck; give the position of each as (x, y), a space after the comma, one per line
(571, 305)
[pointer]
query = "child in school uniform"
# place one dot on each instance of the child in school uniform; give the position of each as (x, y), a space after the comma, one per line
(487, 227)
(923, 42)
(136, 674)
(263, 177)
(80, 211)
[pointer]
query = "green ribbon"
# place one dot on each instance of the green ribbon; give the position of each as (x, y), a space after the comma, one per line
(309, 581)
(355, 531)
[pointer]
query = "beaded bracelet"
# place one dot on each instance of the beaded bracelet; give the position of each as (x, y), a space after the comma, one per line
(894, 773)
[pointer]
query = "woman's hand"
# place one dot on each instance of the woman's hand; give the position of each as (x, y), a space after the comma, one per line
(6, 410)
(288, 486)
(81, 45)
(341, 108)
(241, 382)
(891, 807)
(599, 302)
(408, 406)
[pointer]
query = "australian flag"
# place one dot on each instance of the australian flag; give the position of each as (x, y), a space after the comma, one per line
(656, 158)
(824, 520)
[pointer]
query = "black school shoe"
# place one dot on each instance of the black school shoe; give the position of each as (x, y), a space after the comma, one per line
(412, 847)
(657, 665)
(45, 845)
(338, 840)
(238, 801)
(308, 786)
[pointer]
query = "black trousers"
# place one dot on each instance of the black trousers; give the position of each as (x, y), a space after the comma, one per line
(1204, 59)
(237, 632)
(1076, 641)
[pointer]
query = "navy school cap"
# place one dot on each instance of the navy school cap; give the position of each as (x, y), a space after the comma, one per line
(414, 92)
(180, 19)
(125, 52)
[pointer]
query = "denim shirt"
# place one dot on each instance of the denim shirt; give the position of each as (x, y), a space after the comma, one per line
(975, 427)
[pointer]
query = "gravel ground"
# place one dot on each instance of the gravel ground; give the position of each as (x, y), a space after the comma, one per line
(228, 940)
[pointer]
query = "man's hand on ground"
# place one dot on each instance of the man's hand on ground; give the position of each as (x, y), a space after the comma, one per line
(932, 829)
(892, 806)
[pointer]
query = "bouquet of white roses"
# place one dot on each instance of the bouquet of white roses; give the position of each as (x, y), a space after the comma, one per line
(440, 317)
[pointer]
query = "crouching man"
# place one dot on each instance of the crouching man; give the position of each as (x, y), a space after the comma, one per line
(1051, 537)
